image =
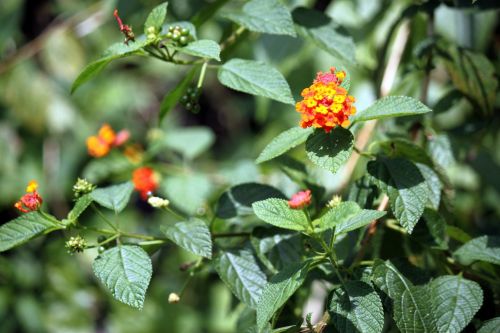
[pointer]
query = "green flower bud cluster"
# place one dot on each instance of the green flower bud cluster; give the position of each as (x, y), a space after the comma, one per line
(180, 36)
(81, 187)
(76, 244)
(151, 33)
(190, 99)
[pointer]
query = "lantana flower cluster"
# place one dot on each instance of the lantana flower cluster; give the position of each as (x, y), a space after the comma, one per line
(325, 103)
(145, 181)
(31, 201)
(99, 145)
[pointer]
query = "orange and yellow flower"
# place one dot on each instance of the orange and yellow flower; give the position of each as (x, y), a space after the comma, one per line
(99, 145)
(325, 103)
(145, 181)
(31, 201)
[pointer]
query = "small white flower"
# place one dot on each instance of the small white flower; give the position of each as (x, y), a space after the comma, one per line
(173, 298)
(158, 202)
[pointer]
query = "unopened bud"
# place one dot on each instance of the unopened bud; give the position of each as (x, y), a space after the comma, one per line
(336, 200)
(76, 244)
(173, 298)
(158, 202)
(82, 186)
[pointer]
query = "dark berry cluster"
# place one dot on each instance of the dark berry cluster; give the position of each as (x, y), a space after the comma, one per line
(180, 36)
(190, 99)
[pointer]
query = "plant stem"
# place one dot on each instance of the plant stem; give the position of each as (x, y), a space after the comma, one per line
(103, 217)
(202, 74)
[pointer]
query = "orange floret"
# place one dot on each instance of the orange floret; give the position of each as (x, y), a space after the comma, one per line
(326, 104)
(97, 147)
(31, 201)
(145, 181)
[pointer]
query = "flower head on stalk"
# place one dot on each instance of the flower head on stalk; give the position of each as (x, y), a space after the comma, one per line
(31, 201)
(325, 103)
(145, 181)
(300, 200)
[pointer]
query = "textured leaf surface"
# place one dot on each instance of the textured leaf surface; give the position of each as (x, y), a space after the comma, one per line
(325, 33)
(238, 199)
(433, 183)
(330, 150)
(241, 273)
(126, 271)
(405, 186)
(114, 197)
(192, 235)
(356, 307)
(278, 290)
(188, 192)
(485, 248)
(156, 18)
(455, 301)
(392, 106)
(490, 326)
(284, 142)
(439, 147)
(411, 305)
(278, 213)
(203, 48)
(22, 229)
(81, 204)
(256, 78)
(437, 228)
(347, 216)
(267, 16)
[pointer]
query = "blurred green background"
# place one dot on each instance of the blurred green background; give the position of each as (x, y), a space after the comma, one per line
(45, 43)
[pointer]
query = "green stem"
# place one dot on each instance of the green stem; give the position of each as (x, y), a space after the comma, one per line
(202, 74)
(103, 217)
(174, 213)
(153, 242)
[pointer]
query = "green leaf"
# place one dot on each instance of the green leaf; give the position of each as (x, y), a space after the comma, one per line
(391, 106)
(203, 48)
(406, 149)
(284, 142)
(433, 183)
(116, 51)
(405, 186)
(267, 16)
(325, 33)
(156, 18)
(99, 169)
(81, 204)
(173, 97)
(484, 248)
(278, 290)
(188, 192)
(126, 271)
(356, 307)
(437, 228)
(347, 216)
(24, 228)
(490, 326)
(115, 197)
(411, 305)
(278, 213)
(199, 138)
(455, 301)
(330, 150)
(255, 78)
(439, 147)
(238, 199)
(277, 248)
(241, 273)
(192, 235)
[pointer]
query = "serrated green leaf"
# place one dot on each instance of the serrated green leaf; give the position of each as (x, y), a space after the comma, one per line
(115, 197)
(277, 248)
(114, 52)
(24, 228)
(457, 234)
(238, 199)
(278, 290)
(255, 78)
(173, 97)
(405, 187)
(188, 192)
(330, 150)
(356, 307)
(199, 138)
(411, 304)
(484, 248)
(437, 228)
(391, 106)
(278, 213)
(490, 326)
(345, 217)
(156, 18)
(406, 149)
(192, 235)
(287, 140)
(434, 185)
(325, 33)
(81, 204)
(241, 273)
(203, 48)
(126, 271)
(439, 147)
(267, 16)
(455, 301)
